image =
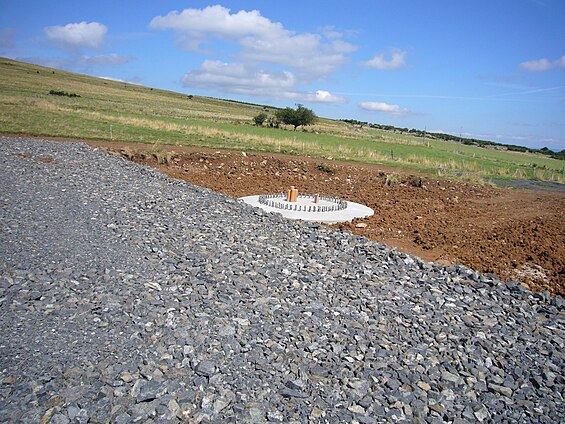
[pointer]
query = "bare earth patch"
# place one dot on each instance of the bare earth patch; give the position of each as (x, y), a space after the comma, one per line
(516, 234)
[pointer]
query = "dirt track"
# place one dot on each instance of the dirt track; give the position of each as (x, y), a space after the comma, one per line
(516, 234)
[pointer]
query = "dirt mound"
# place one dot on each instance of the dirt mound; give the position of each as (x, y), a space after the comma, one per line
(516, 234)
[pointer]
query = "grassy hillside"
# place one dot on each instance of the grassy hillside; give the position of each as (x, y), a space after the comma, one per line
(109, 110)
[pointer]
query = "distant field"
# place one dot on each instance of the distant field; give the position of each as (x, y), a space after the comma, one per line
(110, 110)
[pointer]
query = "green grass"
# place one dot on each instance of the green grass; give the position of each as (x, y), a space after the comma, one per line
(110, 110)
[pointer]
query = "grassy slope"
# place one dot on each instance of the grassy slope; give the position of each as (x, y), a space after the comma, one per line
(135, 113)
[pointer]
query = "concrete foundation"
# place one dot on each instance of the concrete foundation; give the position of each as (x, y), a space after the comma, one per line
(310, 210)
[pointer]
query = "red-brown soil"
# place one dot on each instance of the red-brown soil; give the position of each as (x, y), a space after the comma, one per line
(516, 234)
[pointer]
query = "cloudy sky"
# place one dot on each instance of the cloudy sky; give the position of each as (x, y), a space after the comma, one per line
(490, 69)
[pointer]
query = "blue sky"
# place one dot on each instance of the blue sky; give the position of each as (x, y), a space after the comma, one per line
(490, 69)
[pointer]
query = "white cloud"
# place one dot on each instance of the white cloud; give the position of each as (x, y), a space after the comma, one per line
(542, 65)
(238, 78)
(243, 79)
(77, 35)
(384, 107)
(323, 96)
(539, 65)
(331, 33)
(271, 60)
(217, 21)
(303, 52)
(343, 46)
(397, 60)
(260, 39)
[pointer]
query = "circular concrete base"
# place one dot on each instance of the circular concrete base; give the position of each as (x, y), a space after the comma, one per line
(353, 210)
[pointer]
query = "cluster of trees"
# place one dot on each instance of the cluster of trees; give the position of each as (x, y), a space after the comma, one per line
(448, 137)
(301, 116)
(356, 123)
(555, 155)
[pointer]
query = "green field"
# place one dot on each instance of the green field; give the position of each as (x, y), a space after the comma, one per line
(116, 111)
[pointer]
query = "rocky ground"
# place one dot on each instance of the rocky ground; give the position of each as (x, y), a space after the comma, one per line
(515, 234)
(127, 296)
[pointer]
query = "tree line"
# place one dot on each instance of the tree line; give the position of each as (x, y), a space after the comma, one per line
(448, 137)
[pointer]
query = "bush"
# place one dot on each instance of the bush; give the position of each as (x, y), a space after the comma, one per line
(415, 181)
(62, 93)
(392, 179)
(260, 118)
(326, 168)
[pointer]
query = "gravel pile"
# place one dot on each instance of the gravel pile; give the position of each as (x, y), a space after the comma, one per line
(127, 296)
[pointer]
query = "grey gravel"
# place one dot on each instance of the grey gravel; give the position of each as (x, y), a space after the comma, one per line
(127, 296)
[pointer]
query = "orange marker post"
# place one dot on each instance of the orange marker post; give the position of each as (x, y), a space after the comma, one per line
(293, 194)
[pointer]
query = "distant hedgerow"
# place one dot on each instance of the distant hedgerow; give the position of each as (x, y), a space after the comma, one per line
(62, 93)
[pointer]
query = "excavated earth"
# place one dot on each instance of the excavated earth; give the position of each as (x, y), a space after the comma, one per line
(516, 234)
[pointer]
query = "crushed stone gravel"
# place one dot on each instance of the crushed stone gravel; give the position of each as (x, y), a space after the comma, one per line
(127, 296)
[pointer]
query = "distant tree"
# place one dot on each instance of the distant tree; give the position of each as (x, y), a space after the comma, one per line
(260, 118)
(287, 116)
(306, 116)
(301, 116)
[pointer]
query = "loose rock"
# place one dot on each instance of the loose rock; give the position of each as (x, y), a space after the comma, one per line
(129, 296)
